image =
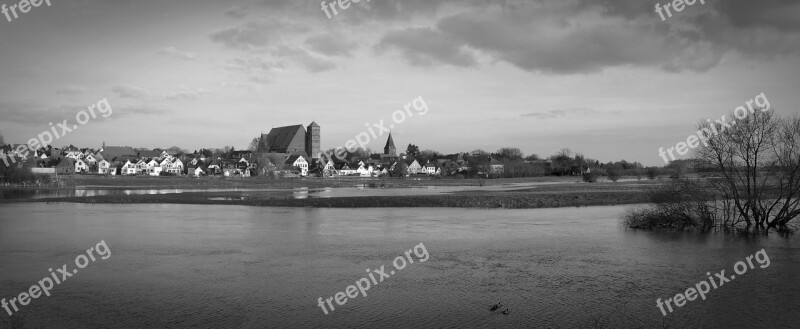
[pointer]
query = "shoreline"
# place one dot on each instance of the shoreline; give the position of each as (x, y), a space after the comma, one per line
(486, 200)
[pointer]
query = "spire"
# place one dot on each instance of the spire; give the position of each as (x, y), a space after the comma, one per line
(390, 149)
(389, 141)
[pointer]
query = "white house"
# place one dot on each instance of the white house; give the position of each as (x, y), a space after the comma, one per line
(141, 167)
(128, 168)
(414, 167)
(103, 167)
(430, 168)
(345, 170)
(90, 159)
(299, 162)
(175, 166)
(81, 166)
(156, 170)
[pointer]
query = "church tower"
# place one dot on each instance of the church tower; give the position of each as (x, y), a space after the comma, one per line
(313, 146)
(389, 149)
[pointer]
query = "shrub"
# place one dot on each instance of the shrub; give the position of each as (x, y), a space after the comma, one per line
(589, 177)
(613, 175)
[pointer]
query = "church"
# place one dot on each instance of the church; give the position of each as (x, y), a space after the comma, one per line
(293, 140)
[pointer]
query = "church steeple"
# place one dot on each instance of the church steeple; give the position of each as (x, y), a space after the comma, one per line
(389, 148)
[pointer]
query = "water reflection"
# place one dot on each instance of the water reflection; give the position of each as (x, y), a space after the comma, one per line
(232, 266)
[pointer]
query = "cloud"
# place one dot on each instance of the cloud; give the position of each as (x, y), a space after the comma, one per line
(558, 113)
(256, 69)
(172, 51)
(780, 15)
(186, 93)
(332, 44)
(236, 12)
(426, 47)
(129, 91)
(255, 35)
(311, 63)
(141, 110)
(557, 39)
(70, 90)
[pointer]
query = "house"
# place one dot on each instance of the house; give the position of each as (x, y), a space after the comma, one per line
(73, 152)
(496, 166)
(345, 169)
(141, 167)
(413, 167)
(81, 167)
(431, 168)
(128, 168)
(214, 167)
(90, 159)
(103, 167)
(174, 167)
(156, 170)
(299, 162)
(65, 167)
(150, 165)
(196, 171)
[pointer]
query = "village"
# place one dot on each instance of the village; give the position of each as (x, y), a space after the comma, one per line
(290, 151)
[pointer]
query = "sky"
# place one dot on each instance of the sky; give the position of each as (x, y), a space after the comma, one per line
(606, 78)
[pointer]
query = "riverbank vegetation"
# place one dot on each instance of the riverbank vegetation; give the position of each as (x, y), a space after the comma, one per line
(750, 180)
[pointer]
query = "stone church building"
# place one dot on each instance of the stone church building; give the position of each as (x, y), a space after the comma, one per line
(292, 140)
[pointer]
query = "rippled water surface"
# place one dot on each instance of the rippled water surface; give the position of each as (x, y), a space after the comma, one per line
(230, 266)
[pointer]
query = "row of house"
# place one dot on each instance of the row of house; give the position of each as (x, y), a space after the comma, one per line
(116, 160)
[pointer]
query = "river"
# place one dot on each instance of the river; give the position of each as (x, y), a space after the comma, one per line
(233, 266)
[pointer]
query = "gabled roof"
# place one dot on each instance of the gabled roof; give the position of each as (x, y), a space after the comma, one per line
(292, 158)
(282, 137)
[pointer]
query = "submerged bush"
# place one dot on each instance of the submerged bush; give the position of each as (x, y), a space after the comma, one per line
(679, 204)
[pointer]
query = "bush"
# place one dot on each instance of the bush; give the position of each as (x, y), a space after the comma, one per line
(613, 175)
(589, 177)
(652, 173)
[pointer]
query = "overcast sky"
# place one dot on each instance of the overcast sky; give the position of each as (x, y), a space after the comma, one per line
(606, 78)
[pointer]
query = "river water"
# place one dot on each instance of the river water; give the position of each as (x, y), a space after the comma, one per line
(232, 266)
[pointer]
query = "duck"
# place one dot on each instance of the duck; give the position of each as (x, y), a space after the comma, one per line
(505, 312)
(495, 307)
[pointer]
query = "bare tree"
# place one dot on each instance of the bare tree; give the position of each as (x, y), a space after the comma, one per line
(254, 144)
(510, 153)
(755, 166)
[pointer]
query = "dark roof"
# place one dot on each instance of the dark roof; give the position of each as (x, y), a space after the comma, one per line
(313, 124)
(112, 152)
(389, 141)
(282, 138)
(149, 154)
